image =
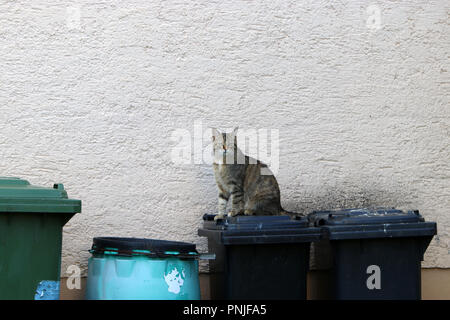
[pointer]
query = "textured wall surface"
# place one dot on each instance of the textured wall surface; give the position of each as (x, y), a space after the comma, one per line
(91, 93)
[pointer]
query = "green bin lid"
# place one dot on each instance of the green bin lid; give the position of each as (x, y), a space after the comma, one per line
(18, 195)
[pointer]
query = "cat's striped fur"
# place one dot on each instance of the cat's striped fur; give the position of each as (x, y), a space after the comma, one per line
(240, 181)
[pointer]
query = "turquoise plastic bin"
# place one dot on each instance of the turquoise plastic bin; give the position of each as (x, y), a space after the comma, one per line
(142, 269)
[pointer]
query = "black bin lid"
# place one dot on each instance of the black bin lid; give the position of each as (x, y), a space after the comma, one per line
(371, 223)
(258, 230)
(139, 246)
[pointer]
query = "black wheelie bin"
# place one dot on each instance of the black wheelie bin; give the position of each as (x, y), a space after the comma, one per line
(375, 254)
(258, 257)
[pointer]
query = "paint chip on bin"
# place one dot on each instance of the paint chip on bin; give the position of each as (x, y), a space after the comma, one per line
(47, 290)
(174, 280)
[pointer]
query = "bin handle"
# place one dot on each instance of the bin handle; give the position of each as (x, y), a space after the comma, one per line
(207, 256)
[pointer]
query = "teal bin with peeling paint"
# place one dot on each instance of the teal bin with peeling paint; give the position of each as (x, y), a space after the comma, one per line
(31, 224)
(142, 269)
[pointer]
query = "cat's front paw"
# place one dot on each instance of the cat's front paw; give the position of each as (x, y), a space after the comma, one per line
(220, 216)
(233, 213)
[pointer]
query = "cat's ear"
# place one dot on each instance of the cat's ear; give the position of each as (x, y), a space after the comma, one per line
(215, 133)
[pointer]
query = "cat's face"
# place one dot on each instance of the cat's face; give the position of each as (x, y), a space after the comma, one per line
(224, 144)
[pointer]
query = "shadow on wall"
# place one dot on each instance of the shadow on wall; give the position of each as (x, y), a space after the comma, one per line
(332, 198)
(353, 197)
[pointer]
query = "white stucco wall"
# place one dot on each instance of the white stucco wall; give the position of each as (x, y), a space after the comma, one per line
(363, 112)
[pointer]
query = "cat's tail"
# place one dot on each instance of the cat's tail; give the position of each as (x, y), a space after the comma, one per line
(291, 213)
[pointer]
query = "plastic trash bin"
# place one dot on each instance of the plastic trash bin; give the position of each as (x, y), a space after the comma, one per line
(258, 257)
(142, 269)
(375, 253)
(31, 222)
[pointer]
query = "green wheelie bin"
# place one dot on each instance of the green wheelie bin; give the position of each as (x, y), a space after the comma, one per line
(31, 222)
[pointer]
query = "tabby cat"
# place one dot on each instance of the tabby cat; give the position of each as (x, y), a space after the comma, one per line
(239, 177)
